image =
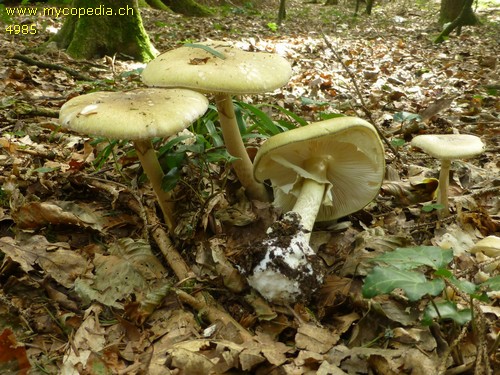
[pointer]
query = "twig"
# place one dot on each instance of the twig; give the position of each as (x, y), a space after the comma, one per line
(172, 256)
(41, 64)
(201, 301)
(360, 95)
(205, 303)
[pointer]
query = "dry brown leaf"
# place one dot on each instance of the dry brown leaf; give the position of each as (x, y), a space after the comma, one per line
(315, 339)
(38, 214)
(63, 265)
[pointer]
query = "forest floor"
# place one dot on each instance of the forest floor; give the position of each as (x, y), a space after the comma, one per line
(84, 285)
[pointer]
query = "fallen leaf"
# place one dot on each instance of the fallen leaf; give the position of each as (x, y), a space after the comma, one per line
(13, 359)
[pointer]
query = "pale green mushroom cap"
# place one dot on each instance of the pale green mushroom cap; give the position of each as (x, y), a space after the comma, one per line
(134, 115)
(351, 159)
(449, 146)
(239, 72)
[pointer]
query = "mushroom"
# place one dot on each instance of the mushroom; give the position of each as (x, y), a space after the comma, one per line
(445, 148)
(217, 68)
(137, 115)
(319, 172)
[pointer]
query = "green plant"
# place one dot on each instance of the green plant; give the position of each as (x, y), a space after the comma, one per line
(273, 26)
(423, 272)
(403, 117)
(431, 207)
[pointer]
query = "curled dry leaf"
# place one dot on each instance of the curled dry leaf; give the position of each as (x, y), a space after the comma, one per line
(39, 214)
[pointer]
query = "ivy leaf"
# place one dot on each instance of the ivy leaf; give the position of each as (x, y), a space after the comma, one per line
(447, 310)
(383, 280)
(413, 257)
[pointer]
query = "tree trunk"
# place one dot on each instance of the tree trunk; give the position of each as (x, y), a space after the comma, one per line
(451, 9)
(188, 8)
(157, 4)
(368, 8)
(465, 17)
(282, 12)
(101, 27)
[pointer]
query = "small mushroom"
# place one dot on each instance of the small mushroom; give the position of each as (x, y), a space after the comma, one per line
(217, 68)
(319, 172)
(445, 148)
(137, 115)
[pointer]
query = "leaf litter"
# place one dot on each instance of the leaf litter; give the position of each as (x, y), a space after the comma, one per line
(83, 287)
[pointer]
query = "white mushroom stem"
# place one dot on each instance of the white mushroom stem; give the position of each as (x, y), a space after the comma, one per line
(444, 176)
(152, 168)
(234, 144)
(308, 204)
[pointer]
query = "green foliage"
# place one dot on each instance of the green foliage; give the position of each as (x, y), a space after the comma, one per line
(254, 121)
(445, 310)
(422, 271)
(414, 257)
(405, 117)
(273, 26)
(431, 207)
(108, 150)
(206, 48)
(397, 142)
(206, 145)
(383, 280)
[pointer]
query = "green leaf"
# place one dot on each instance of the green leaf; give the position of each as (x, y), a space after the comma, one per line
(262, 121)
(214, 134)
(272, 26)
(383, 280)
(464, 285)
(447, 310)
(46, 169)
(171, 179)
(308, 101)
(431, 207)
(206, 48)
(216, 156)
(493, 283)
(171, 143)
(301, 121)
(413, 257)
(398, 142)
(405, 116)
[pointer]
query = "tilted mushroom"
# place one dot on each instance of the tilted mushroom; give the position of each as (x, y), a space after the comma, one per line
(137, 115)
(217, 68)
(445, 148)
(319, 172)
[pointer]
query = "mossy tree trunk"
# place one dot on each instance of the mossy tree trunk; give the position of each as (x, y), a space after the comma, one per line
(188, 8)
(157, 4)
(281, 12)
(105, 27)
(466, 16)
(451, 9)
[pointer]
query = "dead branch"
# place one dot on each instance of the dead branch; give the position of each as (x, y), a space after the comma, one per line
(41, 64)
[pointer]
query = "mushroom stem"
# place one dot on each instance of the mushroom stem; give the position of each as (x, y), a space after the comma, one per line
(444, 176)
(234, 144)
(308, 204)
(152, 168)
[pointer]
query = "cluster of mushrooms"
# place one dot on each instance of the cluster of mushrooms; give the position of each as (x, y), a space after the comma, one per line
(319, 172)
